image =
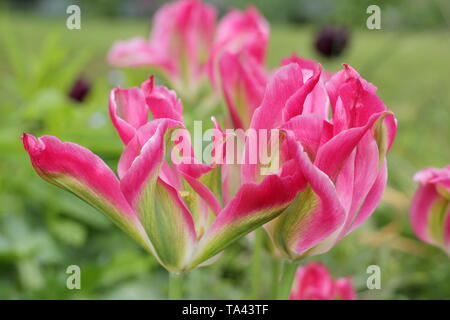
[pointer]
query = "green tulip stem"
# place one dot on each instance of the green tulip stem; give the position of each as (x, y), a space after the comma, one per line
(256, 265)
(276, 267)
(175, 286)
(287, 280)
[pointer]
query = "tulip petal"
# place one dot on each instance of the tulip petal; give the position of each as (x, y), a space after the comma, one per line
(253, 205)
(332, 155)
(282, 85)
(372, 199)
(343, 290)
(315, 213)
(162, 102)
(313, 282)
(138, 52)
(308, 130)
(423, 204)
(78, 170)
(243, 81)
(294, 105)
(239, 32)
(164, 215)
(128, 111)
(317, 101)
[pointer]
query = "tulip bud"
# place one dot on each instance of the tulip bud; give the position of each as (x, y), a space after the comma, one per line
(239, 32)
(80, 89)
(179, 44)
(313, 282)
(331, 41)
(430, 208)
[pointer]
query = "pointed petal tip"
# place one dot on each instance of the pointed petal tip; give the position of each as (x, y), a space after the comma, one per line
(148, 85)
(31, 143)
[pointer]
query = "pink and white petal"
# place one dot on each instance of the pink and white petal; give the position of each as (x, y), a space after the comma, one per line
(294, 105)
(365, 173)
(317, 101)
(315, 213)
(283, 84)
(308, 130)
(128, 111)
(77, 170)
(243, 81)
(421, 209)
(372, 199)
(239, 31)
(338, 79)
(331, 155)
(137, 52)
(253, 205)
(162, 102)
(163, 214)
(134, 146)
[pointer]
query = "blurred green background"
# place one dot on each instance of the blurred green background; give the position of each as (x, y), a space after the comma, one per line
(43, 230)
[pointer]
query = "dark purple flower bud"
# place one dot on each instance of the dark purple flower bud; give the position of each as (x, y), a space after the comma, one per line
(80, 89)
(331, 41)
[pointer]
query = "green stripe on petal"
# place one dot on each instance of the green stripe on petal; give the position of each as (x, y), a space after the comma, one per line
(284, 230)
(129, 224)
(436, 220)
(216, 241)
(168, 225)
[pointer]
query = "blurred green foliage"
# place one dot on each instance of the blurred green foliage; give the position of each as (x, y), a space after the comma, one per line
(404, 14)
(43, 230)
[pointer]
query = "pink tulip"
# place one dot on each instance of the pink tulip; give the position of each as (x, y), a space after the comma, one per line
(313, 282)
(240, 32)
(179, 44)
(171, 209)
(341, 158)
(243, 81)
(430, 209)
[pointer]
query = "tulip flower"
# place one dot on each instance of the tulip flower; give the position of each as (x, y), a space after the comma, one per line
(171, 209)
(179, 44)
(430, 208)
(239, 32)
(314, 282)
(341, 157)
(243, 81)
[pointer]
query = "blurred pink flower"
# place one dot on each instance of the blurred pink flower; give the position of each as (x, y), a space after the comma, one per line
(236, 65)
(179, 44)
(313, 282)
(240, 32)
(243, 81)
(430, 208)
